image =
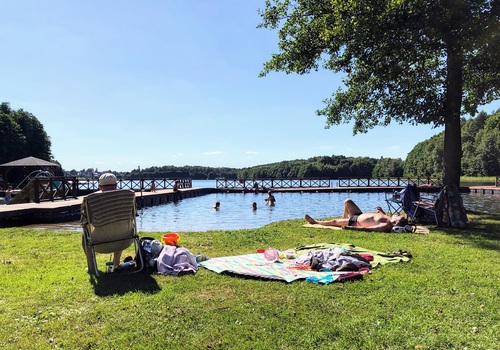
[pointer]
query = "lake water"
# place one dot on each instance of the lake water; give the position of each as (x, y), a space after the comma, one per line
(196, 214)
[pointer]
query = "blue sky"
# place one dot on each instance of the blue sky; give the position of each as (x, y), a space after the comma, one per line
(122, 84)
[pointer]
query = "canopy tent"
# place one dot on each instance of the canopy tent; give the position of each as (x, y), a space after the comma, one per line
(26, 166)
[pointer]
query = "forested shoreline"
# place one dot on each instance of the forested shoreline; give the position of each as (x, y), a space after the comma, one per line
(480, 155)
(480, 144)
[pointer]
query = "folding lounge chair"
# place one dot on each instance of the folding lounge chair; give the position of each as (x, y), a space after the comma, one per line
(394, 203)
(427, 205)
(109, 225)
(421, 208)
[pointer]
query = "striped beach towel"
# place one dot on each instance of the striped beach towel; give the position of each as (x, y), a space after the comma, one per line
(256, 265)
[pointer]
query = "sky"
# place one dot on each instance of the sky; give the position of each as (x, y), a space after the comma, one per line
(122, 84)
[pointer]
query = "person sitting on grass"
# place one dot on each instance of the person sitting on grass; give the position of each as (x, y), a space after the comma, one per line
(354, 219)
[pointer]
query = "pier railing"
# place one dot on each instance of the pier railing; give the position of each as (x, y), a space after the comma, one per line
(136, 184)
(388, 182)
(57, 188)
(250, 184)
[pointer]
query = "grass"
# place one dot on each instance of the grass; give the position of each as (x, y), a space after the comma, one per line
(447, 297)
(477, 181)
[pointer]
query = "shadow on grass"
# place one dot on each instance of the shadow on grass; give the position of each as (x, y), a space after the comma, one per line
(120, 283)
(485, 226)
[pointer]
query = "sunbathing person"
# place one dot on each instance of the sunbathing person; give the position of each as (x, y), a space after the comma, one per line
(354, 219)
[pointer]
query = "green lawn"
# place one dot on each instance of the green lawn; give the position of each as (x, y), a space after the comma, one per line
(477, 181)
(447, 297)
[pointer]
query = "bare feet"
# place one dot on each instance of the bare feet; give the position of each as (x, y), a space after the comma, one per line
(310, 219)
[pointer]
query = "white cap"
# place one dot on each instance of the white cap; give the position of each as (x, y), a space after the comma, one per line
(107, 179)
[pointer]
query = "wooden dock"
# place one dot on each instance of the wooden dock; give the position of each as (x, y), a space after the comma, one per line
(69, 210)
(485, 189)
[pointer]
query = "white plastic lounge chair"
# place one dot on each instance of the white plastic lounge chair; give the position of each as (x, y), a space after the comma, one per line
(109, 225)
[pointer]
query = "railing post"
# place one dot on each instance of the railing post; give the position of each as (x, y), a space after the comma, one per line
(51, 190)
(63, 183)
(36, 190)
(75, 187)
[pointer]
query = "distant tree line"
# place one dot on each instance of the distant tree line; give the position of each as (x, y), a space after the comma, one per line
(481, 154)
(322, 166)
(334, 166)
(194, 172)
(23, 135)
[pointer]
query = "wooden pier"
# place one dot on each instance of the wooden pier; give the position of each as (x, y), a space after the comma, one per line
(485, 189)
(69, 209)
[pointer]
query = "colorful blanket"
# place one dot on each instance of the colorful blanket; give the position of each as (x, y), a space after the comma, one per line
(420, 229)
(256, 265)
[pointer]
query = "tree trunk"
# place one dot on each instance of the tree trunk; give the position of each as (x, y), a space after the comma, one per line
(452, 149)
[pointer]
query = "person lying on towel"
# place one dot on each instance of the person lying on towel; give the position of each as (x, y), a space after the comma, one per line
(354, 219)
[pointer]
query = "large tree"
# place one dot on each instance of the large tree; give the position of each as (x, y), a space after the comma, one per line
(22, 135)
(424, 61)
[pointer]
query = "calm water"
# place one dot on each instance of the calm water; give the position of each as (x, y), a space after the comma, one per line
(196, 214)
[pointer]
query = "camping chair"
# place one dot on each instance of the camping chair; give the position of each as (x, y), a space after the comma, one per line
(109, 225)
(419, 208)
(428, 206)
(394, 203)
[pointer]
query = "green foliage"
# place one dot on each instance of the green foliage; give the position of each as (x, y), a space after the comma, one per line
(444, 298)
(322, 166)
(417, 62)
(481, 150)
(388, 167)
(22, 136)
(194, 172)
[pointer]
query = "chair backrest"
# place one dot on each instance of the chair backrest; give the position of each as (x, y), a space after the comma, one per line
(409, 195)
(110, 219)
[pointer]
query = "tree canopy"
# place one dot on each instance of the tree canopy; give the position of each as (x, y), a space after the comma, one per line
(22, 136)
(481, 150)
(423, 61)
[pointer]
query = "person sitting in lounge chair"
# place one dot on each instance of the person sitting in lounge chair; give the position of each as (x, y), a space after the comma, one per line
(354, 219)
(107, 182)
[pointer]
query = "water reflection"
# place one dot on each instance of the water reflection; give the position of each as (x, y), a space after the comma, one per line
(196, 214)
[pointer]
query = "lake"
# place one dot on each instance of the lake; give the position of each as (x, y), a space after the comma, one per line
(196, 214)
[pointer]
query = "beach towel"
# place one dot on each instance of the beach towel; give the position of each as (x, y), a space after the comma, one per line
(257, 266)
(420, 229)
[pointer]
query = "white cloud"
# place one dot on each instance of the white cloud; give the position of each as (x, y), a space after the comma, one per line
(212, 153)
